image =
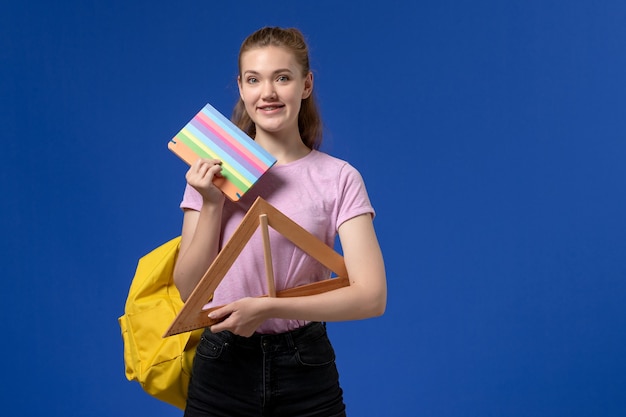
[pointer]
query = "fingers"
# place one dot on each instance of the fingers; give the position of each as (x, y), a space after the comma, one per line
(201, 175)
(210, 166)
(220, 313)
(241, 317)
(205, 169)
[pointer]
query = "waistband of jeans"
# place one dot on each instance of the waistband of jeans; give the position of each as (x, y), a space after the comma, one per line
(309, 331)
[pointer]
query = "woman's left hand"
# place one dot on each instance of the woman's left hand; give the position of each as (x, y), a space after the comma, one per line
(241, 317)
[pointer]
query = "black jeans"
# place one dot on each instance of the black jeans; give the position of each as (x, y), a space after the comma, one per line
(290, 374)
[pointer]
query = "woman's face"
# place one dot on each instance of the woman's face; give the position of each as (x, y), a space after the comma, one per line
(272, 88)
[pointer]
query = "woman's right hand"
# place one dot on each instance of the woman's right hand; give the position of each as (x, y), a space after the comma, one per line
(200, 176)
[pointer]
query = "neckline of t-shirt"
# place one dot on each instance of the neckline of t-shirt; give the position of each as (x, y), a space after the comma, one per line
(296, 162)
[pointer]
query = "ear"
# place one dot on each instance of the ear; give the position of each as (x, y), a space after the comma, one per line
(239, 86)
(308, 86)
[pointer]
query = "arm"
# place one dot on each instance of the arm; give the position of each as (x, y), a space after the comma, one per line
(365, 297)
(201, 229)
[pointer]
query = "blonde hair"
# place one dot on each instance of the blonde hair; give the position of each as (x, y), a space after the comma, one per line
(309, 120)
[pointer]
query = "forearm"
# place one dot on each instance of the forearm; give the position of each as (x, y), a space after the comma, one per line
(199, 247)
(354, 302)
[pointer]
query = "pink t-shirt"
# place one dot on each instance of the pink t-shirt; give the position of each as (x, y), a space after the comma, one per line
(319, 192)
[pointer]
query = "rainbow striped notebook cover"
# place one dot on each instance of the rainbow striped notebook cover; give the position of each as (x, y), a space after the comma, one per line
(211, 135)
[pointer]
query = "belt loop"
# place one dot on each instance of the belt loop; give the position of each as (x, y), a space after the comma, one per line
(289, 337)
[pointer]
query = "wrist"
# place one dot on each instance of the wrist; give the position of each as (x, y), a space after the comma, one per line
(212, 205)
(267, 306)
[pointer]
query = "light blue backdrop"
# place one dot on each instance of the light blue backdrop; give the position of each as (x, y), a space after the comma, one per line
(492, 137)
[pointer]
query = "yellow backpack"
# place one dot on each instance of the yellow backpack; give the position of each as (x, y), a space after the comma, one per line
(161, 365)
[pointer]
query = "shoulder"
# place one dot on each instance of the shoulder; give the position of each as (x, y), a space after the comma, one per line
(333, 164)
(346, 181)
(323, 157)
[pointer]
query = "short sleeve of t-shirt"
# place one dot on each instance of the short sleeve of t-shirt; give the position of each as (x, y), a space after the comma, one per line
(353, 200)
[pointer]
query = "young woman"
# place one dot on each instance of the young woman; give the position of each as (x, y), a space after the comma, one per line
(271, 356)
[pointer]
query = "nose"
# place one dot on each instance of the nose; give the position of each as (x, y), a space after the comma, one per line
(269, 92)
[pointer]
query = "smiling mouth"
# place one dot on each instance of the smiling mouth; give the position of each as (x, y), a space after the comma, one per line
(270, 108)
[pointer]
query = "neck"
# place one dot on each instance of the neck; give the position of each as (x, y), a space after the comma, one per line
(285, 149)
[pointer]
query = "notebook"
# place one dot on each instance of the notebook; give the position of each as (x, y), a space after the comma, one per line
(211, 135)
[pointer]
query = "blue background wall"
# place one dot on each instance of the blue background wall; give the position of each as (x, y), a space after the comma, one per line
(491, 135)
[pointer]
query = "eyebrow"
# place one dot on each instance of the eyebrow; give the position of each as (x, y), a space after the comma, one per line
(278, 71)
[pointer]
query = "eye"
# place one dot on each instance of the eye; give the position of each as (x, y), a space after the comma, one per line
(282, 78)
(251, 80)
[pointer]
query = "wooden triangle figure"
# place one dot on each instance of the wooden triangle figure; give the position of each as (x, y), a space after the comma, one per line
(261, 214)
